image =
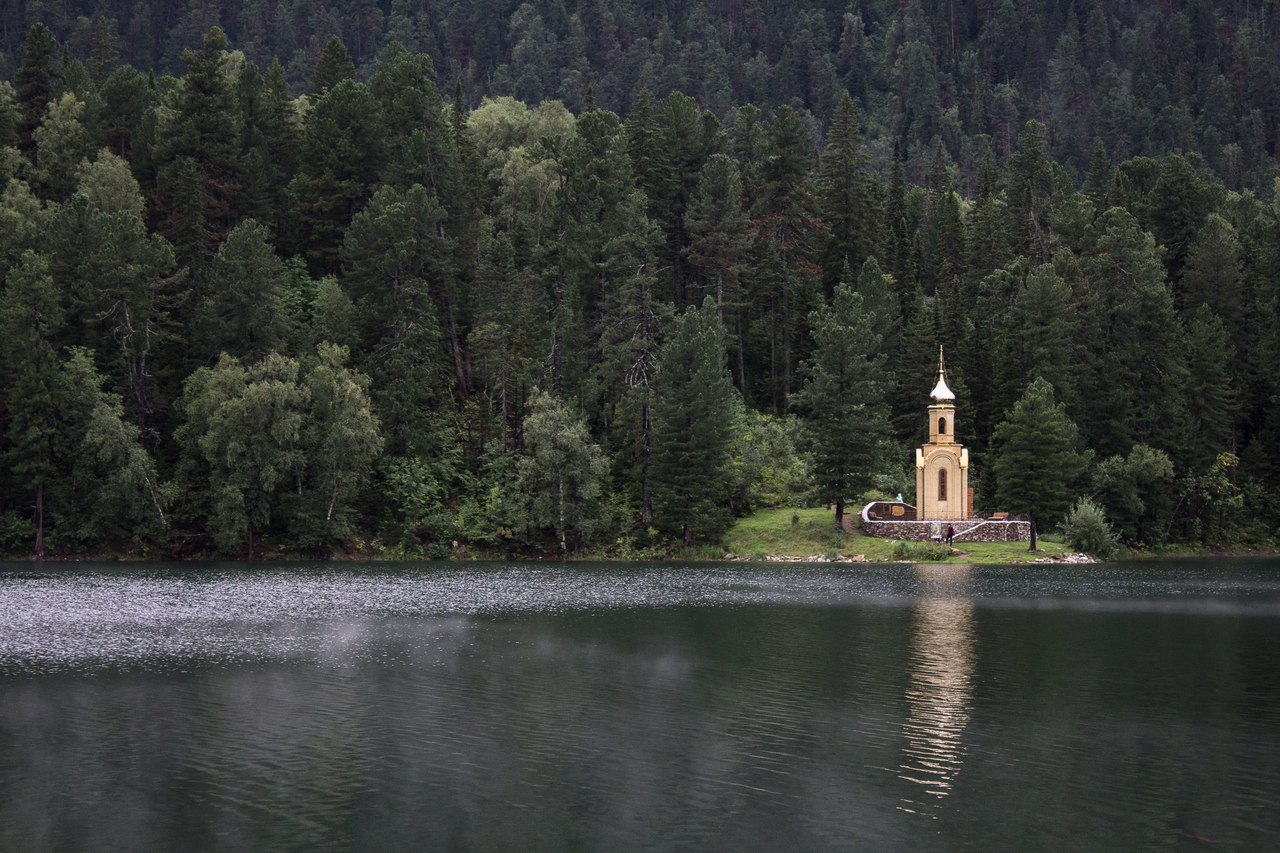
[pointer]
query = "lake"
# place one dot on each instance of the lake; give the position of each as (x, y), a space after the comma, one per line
(474, 706)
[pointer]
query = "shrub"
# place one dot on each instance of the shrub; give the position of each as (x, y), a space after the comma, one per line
(920, 552)
(1087, 530)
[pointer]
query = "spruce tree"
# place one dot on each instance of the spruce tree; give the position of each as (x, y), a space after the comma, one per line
(1135, 369)
(842, 402)
(1037, 458)
(846, 197)
(35, 81)
(31, 319)
(333, 65)
(692, 424)
(242, 308)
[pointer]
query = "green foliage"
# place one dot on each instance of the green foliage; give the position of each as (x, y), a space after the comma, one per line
(243, 310)
(768, 468)
(561, 473)
(1135, 491)
(118, 491)
(267, 446)
(61, 144)
(332, 66)
(693, 416)
(1037, 457)
(842, 401)
(919, 552)
(465, 258)
(1088, 532)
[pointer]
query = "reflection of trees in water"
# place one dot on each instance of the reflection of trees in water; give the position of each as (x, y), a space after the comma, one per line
(941, 689)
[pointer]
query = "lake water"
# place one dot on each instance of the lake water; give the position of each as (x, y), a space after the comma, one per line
(640, 707)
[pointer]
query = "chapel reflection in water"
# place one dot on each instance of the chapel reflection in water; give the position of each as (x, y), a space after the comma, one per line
(940, 692)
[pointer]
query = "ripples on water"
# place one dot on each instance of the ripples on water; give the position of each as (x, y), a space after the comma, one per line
(660, 707)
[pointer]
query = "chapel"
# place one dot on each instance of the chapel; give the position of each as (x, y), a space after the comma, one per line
(942, 465)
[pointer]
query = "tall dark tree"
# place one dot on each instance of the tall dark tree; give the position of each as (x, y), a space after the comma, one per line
(242, 299)
(198, 177)
(1037, 457)
(35, 81)
(31, 319)
(692, 420)
(846, 197)
(333, 65)
(342, 155)
(1135, 370)
(842, 402)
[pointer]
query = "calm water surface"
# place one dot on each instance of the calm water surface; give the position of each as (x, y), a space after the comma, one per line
(652, 707)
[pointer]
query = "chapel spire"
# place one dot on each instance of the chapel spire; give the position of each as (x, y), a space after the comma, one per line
(941, 391)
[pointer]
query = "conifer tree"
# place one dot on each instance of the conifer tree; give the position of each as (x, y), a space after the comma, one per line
(35, 81)
(717, 226)
(333, 65)
(31, 318)
(1212, 402)
(846, 199)
(692, 417)
(242, 305)
(342, 155)
(842, 402)
(197, 178)
(1036, 457)
(1135, 371)
(1031, 188)
(392, 255)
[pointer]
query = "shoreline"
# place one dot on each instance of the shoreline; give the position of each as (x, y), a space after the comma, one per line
(1065, 558)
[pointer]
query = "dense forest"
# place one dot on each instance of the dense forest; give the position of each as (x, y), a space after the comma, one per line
(284, 277)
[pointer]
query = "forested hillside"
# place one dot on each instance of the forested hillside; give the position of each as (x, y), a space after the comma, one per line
(447, 275)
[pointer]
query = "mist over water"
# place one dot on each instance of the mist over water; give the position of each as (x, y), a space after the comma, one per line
(660, 707)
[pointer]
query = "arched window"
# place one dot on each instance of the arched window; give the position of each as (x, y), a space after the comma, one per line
(942, 426)
(942, 485)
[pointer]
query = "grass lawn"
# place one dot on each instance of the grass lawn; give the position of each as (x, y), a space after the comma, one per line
(812, 533)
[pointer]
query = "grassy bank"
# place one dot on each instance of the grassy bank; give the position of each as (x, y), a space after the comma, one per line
(812, 533)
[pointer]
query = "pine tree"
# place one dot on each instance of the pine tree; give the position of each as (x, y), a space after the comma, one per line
(392, 253)
(846, 197)
(31, 319)
(1038, 336)
(508, 331)
(1036, 456)
(342, 156)
(35, 81)
(1031, 190)
(842, 402)
(692, 420)
(1135, 370)
(198, 178)
(717, 226)
(123, 287)
(333, 65)
(1212, 402)
(242, 310)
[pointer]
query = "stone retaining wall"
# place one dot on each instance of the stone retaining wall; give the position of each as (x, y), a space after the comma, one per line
(969, 530)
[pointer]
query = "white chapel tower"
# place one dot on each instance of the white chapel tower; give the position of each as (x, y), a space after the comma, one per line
(942, 466)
